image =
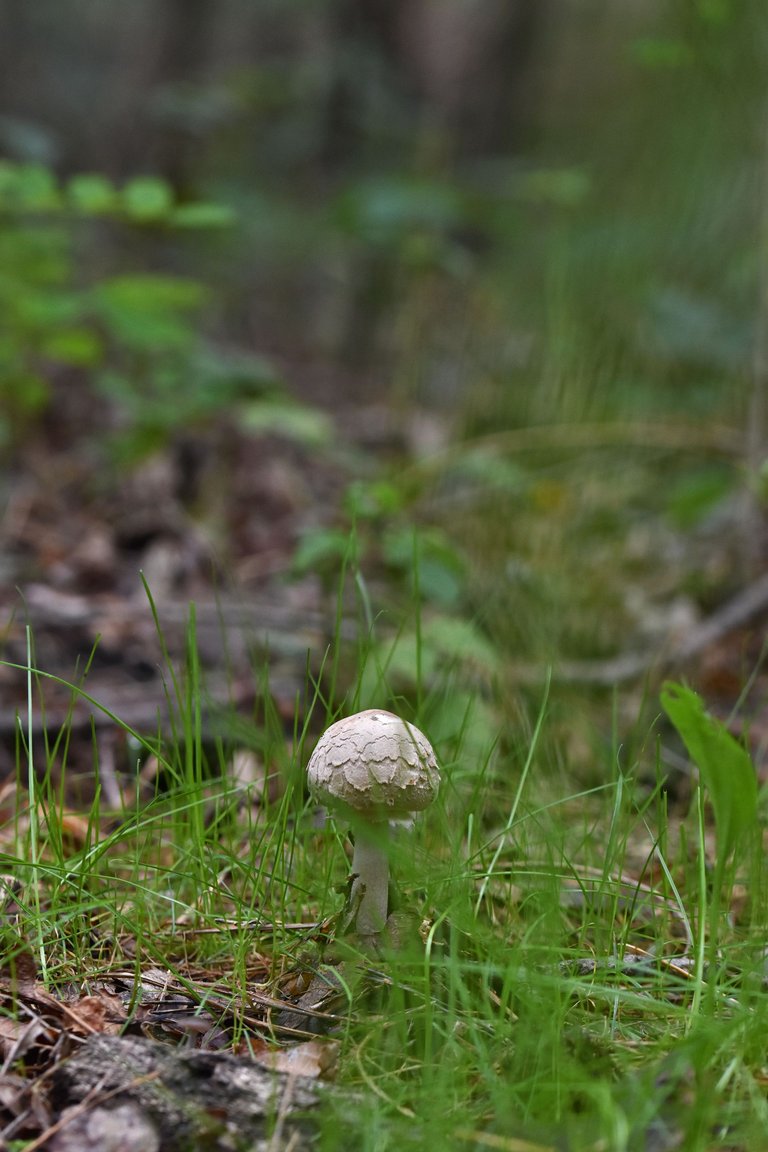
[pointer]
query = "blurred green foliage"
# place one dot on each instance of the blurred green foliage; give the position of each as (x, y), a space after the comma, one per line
(134, 336)
(605, 262)
(726, 769)
(595, 264)
(602, 262)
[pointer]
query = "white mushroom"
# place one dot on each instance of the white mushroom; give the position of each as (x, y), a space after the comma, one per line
(373, 767)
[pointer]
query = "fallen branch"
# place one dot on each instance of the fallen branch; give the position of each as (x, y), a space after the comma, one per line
(735, 613)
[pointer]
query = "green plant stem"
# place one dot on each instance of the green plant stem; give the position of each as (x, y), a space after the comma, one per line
(34, 842)
(701, 926)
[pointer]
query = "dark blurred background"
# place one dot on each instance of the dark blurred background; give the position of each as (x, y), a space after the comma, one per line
(470, 189)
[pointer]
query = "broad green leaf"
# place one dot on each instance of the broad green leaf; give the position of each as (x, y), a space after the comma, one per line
(91, 193)
(228, 377)
(43, 309)
(147, 198)
(725, 767)
(35, 188)
(694, 495)
(150, 313)
(565, 187)
(436, 567)
(76, 346)
(444, 645)
(148, 293)
(294, 422)
(662, 52)
(460, 642)
(203, 215)
(367, 500)
(30, 392)
(36, 255)
(385, 209)
(482, 466)
(392, 665)
(320, 551)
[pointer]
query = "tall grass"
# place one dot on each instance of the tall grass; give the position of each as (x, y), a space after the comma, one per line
(552, 986)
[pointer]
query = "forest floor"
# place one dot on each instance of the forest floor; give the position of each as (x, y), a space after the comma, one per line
(100, 568)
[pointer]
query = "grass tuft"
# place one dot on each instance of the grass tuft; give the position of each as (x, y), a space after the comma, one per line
(570, 971)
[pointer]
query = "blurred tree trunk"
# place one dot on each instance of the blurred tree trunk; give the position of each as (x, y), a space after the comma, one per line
(186, 44)
(466, 65)
(472, 63)
(21, 73)
(363, 39)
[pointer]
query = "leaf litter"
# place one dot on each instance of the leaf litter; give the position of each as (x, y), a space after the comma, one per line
(60, 1053)
(97, 1047)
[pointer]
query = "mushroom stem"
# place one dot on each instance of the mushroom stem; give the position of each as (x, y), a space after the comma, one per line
(371, 869)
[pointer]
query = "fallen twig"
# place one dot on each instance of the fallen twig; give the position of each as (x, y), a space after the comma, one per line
(735, 613)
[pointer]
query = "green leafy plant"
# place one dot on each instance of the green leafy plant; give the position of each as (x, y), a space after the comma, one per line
(729, 779)
(135, 336)
(725, 767)
(539, 996)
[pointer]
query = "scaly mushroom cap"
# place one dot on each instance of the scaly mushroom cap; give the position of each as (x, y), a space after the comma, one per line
(375, 764)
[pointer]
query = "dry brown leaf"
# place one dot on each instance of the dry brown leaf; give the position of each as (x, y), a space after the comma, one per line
(155, 983)
(316, 1059)
(19, 964)
(10, 889)
(10, 1030)
(13, 1092)
(150, 770)
(28, 1036)
(100, 1013)
(248, 769)
(9, 806)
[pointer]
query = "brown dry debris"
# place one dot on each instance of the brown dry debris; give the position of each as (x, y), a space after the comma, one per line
(76, 1067)
(211, 519)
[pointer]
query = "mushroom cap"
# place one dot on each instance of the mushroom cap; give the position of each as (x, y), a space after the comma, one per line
(375, 764)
